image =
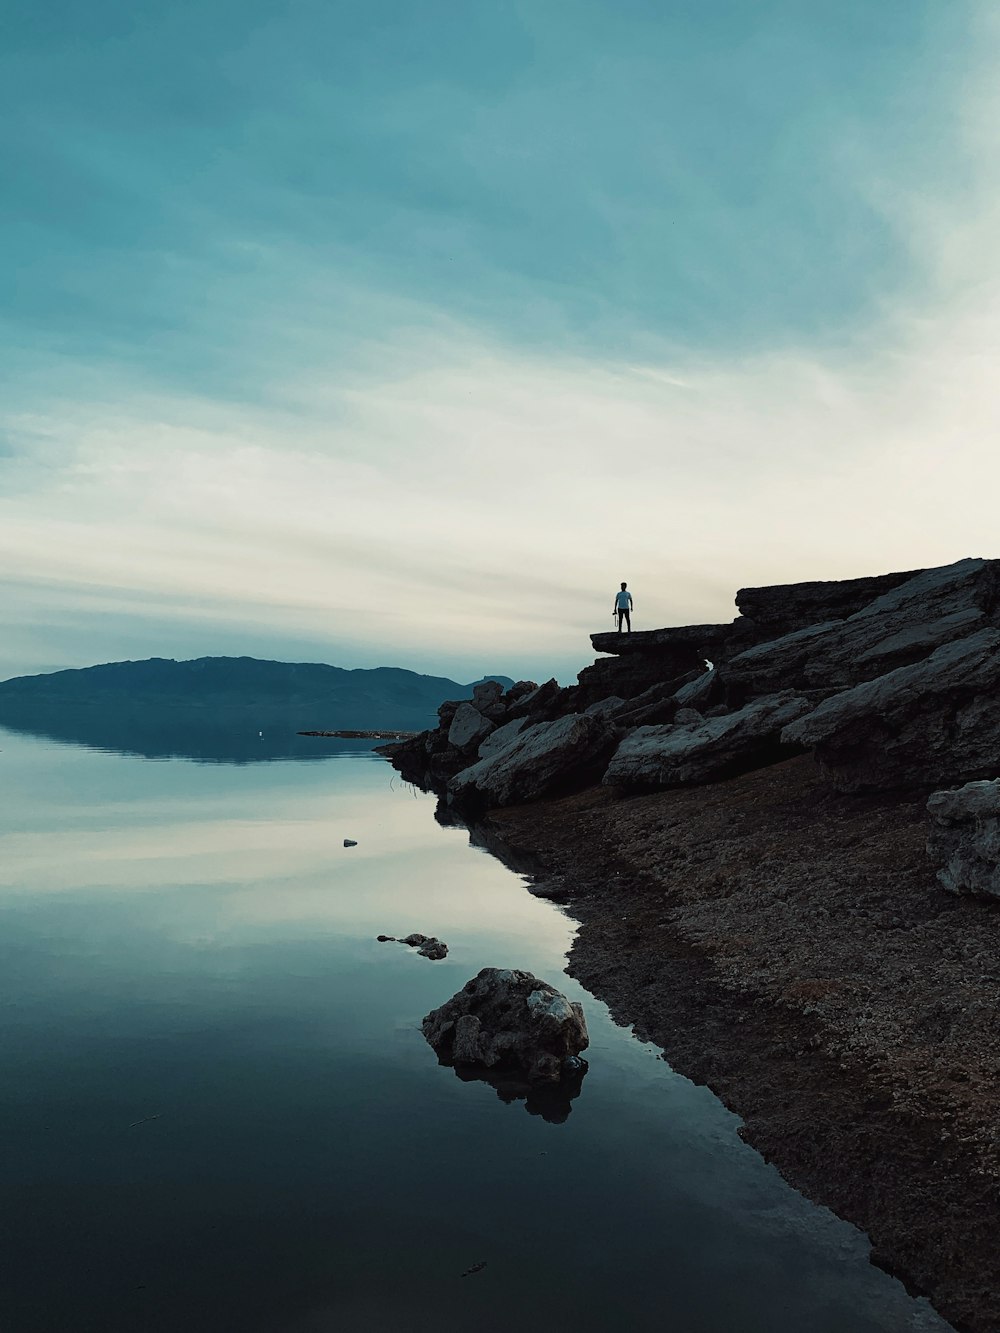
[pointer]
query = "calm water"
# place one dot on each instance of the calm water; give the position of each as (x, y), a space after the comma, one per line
(218, 1112)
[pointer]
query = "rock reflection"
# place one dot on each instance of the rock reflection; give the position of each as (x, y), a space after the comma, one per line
(522, 862)
(552, 1101)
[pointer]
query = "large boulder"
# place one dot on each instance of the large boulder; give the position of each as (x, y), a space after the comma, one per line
(507, 1019)
(964, 838)
(535, 700)
(487, 696)
(902, 626)
(706, 750)
(468, 727)
(926, 725)
(701, 692)
(543, 759)
(499, 740)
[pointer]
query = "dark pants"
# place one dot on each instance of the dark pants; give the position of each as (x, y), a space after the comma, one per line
(626, 615)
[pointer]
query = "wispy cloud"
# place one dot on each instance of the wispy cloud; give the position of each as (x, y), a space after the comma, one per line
(285, 439)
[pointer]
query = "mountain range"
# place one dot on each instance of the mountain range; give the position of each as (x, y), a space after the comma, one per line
(100, 704)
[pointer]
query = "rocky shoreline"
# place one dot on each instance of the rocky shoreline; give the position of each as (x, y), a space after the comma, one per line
(840, 1003)
(746, 850)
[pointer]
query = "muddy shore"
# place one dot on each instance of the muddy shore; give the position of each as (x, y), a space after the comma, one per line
(792, 949)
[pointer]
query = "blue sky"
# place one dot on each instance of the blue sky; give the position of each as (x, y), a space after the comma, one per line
(396, 333)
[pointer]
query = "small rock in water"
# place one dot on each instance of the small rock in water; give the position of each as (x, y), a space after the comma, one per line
(349, 842)
(382, 939)
(429, 946)
(505, 1018)
(476, 1268)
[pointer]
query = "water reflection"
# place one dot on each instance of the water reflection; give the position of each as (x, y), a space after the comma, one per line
(237, 736)
(521, 861)
(219, 1110)
(552, 1101)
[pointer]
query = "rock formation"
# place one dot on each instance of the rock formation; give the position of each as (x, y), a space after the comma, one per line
(779, 932)
(785, 607)
(504, 1019)
(697, 749)
(892, 681)
(933, 722)
(539, 760)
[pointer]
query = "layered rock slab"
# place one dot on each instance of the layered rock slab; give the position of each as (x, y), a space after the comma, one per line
(508, 1019)
(705, 750)
(900, 627)
(925, 725)
(540, 760)
(964, 838)
(784, 607)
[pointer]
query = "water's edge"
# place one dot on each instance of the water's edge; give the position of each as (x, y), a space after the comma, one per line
(825, 1121)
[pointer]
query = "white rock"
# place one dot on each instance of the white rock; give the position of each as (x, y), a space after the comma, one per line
(543, 758)
(502, 737)
(468, 725)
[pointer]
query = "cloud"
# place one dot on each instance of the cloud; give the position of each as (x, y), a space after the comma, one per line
(443, 432)
(478, 500)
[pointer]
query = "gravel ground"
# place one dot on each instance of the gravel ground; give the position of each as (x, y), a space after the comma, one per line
(792, 949)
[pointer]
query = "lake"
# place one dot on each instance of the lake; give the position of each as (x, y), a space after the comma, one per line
(219, 1113)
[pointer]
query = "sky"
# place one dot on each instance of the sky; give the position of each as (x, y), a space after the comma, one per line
(400, 334)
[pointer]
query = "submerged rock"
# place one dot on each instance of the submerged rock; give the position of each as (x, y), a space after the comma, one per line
(428, 946)
(507, 1019)
(964, 838)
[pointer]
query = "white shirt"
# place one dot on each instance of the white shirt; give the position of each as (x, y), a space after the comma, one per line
(623, 600)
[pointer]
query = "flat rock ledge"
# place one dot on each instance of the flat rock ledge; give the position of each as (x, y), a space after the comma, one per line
(507, 1019)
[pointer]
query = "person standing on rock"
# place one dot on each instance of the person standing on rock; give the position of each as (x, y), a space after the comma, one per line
(623, 608)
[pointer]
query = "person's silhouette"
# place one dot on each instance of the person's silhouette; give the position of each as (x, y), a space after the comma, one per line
(623, 608)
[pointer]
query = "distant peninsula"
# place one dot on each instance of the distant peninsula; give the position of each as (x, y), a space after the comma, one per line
(219, 693)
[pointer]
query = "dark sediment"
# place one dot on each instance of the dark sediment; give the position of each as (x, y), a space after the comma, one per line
(790, 948)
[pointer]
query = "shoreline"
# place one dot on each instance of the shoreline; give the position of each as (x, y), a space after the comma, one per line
(844, 1006)
(386, 734)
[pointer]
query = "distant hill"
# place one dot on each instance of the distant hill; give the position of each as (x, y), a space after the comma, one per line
(241, 689)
